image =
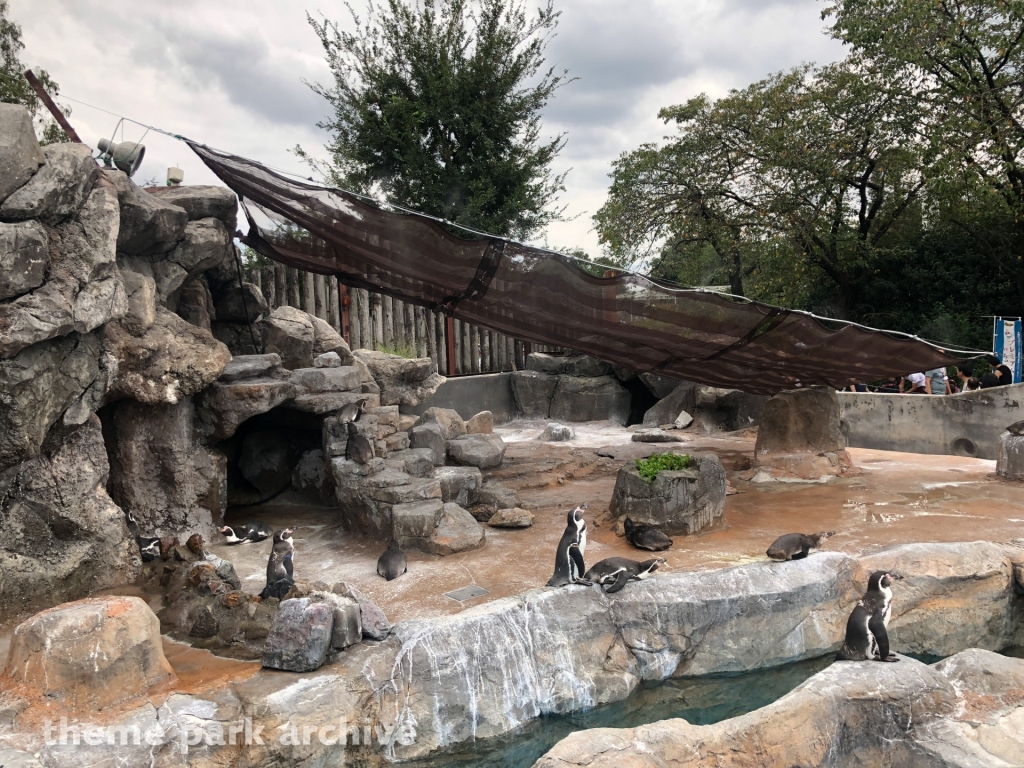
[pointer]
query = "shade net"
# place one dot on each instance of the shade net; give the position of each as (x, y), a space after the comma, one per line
(540, 296)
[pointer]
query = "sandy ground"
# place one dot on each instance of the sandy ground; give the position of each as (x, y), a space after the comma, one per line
(899, 498)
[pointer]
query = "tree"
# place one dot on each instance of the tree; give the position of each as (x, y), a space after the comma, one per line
(437, 108)
(14, 88)
(963, 61)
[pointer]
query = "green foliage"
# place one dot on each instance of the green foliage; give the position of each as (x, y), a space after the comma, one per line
(668, 462)
(402, 350)
(437, 107)
(14, 88)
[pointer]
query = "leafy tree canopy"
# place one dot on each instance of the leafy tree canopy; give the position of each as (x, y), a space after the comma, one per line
(437, 107)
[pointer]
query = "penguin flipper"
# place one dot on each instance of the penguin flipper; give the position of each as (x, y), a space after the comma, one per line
(288, 566)
(876, 626)
(577, 558)
(620, 581)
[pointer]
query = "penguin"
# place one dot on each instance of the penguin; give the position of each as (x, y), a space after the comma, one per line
(646, 537)
(279, 565)
(569, 567)
(358, 449)
(149, 546)
(350, 412)
(795, 546)
(391, 564)
(247, 532)
(614, 572)
(867, 637)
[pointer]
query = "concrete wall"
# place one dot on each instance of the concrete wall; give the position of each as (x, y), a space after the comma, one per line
(471, 394)
(968, 424)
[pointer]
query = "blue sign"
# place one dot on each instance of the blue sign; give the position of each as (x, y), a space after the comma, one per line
(1008, 346)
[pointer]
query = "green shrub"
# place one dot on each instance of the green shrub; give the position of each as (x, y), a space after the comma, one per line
(649, 468)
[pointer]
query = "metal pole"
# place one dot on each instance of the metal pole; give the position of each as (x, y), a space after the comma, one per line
(54, 109)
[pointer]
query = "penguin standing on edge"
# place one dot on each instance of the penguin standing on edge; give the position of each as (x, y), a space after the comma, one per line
(279, 566)
(796, 546)
(569, 567)
(359, 449)
(646, 537)
(612, 573)
(350, 412)
(247, 532)
(867, 636)
(149, 546)
(391, 564)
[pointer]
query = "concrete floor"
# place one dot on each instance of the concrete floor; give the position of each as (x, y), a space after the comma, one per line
(899, 498)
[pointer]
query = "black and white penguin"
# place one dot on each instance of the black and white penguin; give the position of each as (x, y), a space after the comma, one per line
(569, 567)
(359, 449)
(795, 546)
(279, 565)
(647, 537)
(867, 636)
(247, 532)
(391, 564)
(350, 412)
(149, 546)
(613, 572)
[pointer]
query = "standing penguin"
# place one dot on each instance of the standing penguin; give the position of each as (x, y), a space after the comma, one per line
(391, 564)
(647, 537)
(613, 572)
(350, 412)
(867, 636)
(149, 546)
(279, 565)
(569, 567)
(359, 449)
(796, 546)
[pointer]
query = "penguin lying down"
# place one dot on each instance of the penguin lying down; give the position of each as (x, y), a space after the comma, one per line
(613, 572)
(796, 546)
(246, 532)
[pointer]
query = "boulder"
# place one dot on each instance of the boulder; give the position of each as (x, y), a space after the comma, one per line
(326, 339)
(266, 461)
(23, 258)
(240, 338)
(429, 436)
(460, 485)
(347, 628)
(448, 420)
(63, 536)
(497, 496)
(663, 386)
(1010, 456)
(402, 381)
(242, 367)
(240, 305)
(532, 393)
(140, 292)
(567, 365)
(225, 405)
(483, 451)
(58, 189)
(20, 154)
(374, 623)
(680, 400)
(655, 436)
(481, 424)
(590, 399)
(557, 433)
(317, 380)
(90, 654)
(195, 304)
(511, 518)
(312, 477)
(289, 332)
(148, 224)
(680, 502)
(327, 360)
(726, 410)
(457, 531)
(300, 636)
(683, 420)
(415, 521)
(171, 360)
(396, 442)
(201, 202)
(418, 462)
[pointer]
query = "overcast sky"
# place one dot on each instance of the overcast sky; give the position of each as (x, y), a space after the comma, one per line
(230, 73)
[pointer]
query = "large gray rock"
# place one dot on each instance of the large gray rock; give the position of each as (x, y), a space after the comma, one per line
(318, 380)
(726, 410)
(289, 332)
(232, 308)
(681, 399)
(372, 619)
(532, 392)
(300, 636)
(251, 367)
(312, 477)
(225, 405)
(63, 537)
(415, 521)
(121, 660)
(460, 485)
(800, 421)
(20, 155)
(447, 419)
(58, 190)
(483, 451)
(201, 202)
(55, 384)
(140, 292)
(240, 338)
(655, 435)
(511, 518)
(402, 381)
(457, 531)
(590, 399)
(662, 386)
(23, 258)
(431, 437)
(148, 225)
(557, 433)
(418, 462)
(266, 461)
(195, 304)
(1010, 456)
(570, 365)
(171, 360)
(678, 502)
(481, 423)
(326, 339)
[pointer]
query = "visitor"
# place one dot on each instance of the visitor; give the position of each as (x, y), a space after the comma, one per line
(858, 387)
(999, 376)
(965, 373)
(913, 384)
(889, 386)
(935, 382)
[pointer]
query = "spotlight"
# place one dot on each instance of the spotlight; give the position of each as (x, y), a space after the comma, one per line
(175, 176)
(126, 155)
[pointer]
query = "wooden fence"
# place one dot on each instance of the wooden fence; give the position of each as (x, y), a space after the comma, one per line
(372, 321)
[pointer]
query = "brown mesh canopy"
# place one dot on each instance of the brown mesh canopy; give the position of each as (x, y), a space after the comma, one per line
(548, 298)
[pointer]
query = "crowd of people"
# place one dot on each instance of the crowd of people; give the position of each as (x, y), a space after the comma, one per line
(938, 382)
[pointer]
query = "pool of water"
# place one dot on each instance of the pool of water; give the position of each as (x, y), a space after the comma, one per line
(700, 701)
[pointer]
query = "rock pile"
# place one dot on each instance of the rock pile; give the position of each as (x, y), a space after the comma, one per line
(576, 388)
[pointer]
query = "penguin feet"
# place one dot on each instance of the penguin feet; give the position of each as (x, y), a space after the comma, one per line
(890, 657)
(583, 582)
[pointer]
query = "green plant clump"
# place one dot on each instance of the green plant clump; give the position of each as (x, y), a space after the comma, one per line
(649, 468)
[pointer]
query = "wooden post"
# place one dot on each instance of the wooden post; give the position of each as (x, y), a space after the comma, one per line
(44, 97)
(365, 329)
(430, 330)
(485, 351)
(388, 304)
(309, 293)
(422, 337)
(449, 344)
(410, 328)
(398, 323)
(281, 285)
(378, 320)
(293, 288)
(346, 317)
(319, 298)
(332, 294)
